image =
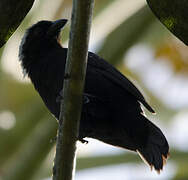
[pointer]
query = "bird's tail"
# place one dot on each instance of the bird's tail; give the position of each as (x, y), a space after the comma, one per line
(156, 150)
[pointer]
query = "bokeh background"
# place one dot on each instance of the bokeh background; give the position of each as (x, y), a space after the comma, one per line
(125, 33)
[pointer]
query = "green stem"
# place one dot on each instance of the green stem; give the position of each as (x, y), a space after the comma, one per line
(73, 89)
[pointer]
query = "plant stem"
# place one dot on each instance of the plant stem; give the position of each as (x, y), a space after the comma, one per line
(71, 105)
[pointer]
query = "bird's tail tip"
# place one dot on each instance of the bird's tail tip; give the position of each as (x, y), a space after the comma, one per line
(156, 150)
(158, 166)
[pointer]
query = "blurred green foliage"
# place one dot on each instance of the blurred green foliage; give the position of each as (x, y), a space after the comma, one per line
(26, 147)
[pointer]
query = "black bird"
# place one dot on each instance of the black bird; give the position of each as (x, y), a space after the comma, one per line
(111, 103)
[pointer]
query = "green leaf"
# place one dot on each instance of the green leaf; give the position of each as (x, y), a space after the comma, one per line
(12, 13)
(173, 14)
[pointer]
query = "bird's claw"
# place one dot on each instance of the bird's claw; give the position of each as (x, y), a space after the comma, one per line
(59, 97)
(85, 99)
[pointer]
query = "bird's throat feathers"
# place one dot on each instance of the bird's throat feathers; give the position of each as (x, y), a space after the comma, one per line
(31, 50)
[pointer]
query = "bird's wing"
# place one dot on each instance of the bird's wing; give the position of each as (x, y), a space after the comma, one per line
(109, 72)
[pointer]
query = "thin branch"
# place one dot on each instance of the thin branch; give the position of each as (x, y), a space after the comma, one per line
(73, 89)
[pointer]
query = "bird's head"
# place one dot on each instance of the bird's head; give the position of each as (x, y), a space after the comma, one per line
(39, 38)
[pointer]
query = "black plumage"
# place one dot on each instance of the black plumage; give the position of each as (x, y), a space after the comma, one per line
(111, 109)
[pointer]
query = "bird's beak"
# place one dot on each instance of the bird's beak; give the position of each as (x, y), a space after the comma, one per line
(56, 26)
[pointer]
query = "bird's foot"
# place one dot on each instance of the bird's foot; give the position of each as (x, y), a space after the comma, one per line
(59, 97)
(85, 99)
